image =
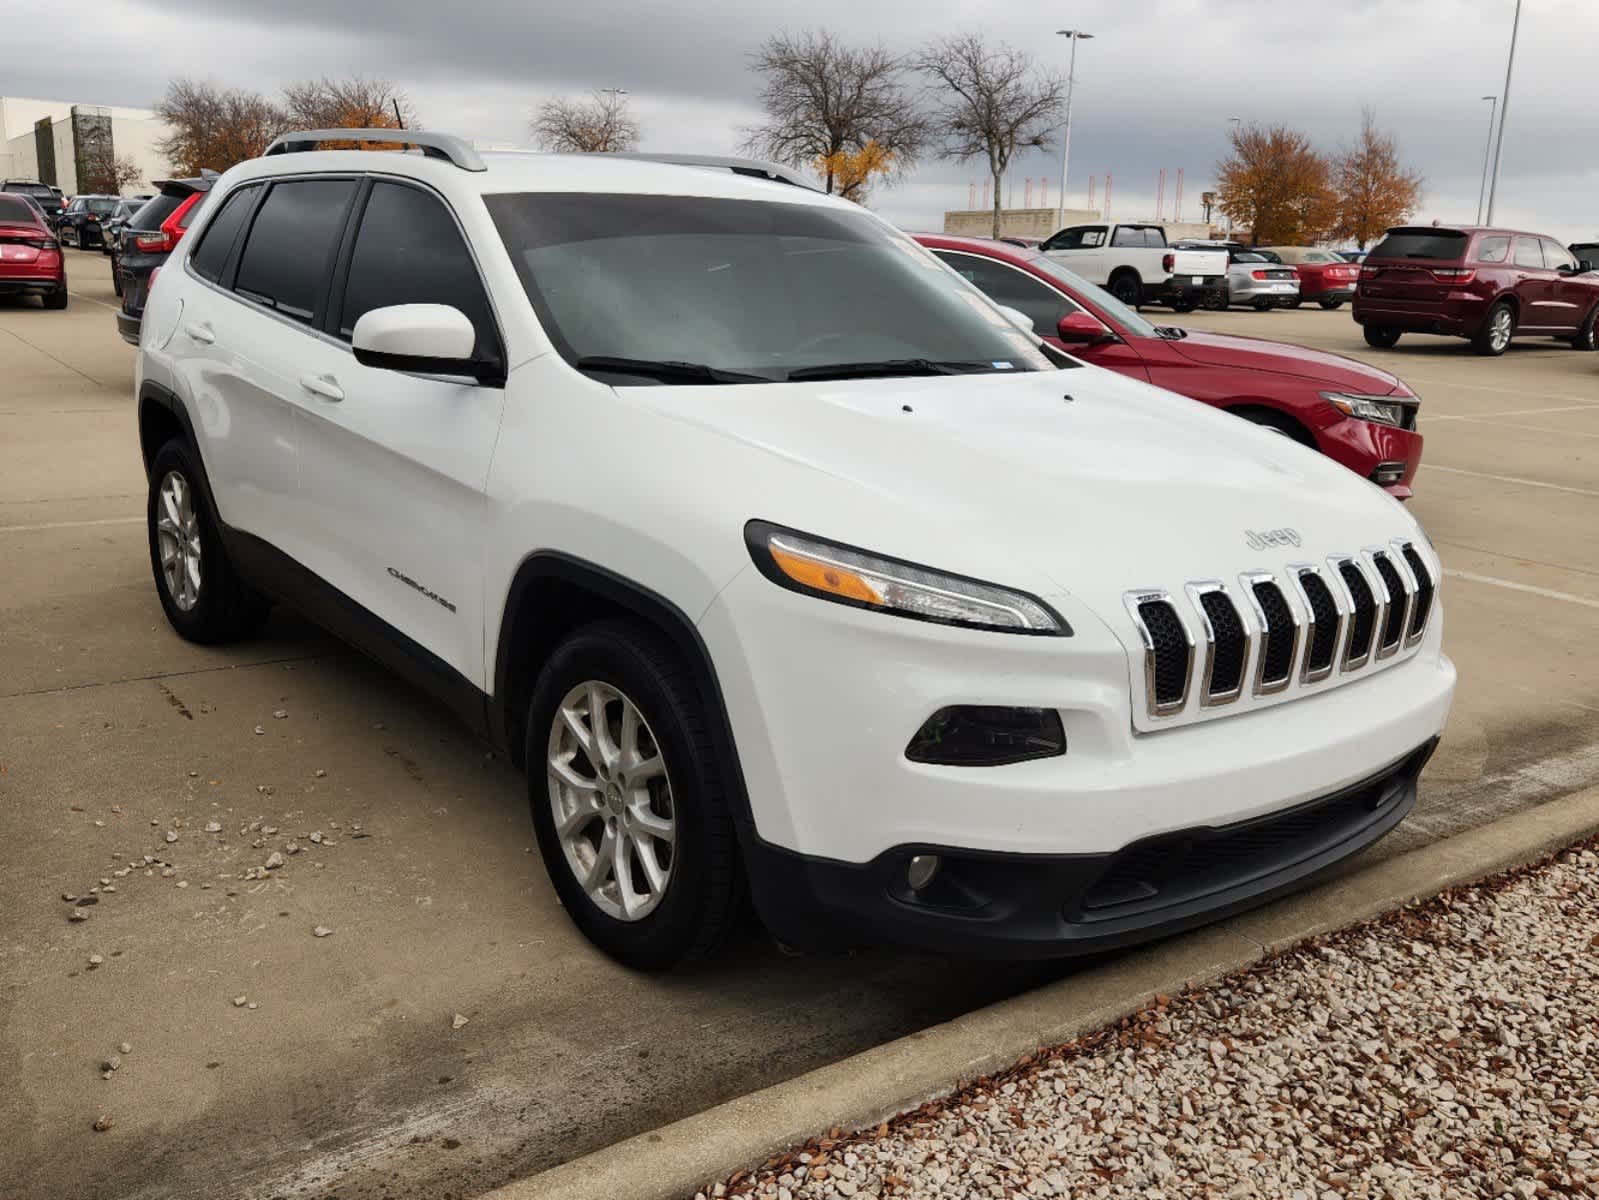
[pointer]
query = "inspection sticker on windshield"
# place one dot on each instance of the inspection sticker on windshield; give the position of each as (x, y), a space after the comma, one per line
(1002, 365)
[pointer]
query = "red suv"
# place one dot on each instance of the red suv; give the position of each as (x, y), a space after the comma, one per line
(1481, 284)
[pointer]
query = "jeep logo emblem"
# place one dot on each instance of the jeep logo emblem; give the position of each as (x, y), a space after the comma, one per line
(1261, 539)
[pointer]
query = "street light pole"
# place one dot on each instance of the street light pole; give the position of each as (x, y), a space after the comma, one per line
(1076, 36)
(1487, 151)
(1504, 111)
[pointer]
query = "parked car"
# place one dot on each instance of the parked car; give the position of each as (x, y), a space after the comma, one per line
(150, 235)
(31, 263)
(111, 226)
(42, 194)
(1358, 415)
(1354, 256)
(1138, 267)
(1487, 285)
(723, 506)
(1324, 276)
(1252, 278)
(79, 223)
(1586, 254)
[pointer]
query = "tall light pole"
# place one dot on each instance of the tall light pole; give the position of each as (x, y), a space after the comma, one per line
(1076, 35)
(1487, 151)
(1233, 124)
(1504, 110)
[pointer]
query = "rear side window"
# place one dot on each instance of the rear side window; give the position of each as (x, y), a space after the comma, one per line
(1528, 254)
(409, 251)
(1015, 288)
(218, 237)
(290, 244)
(1435, 245)
(1138, 235)
(1493, 249)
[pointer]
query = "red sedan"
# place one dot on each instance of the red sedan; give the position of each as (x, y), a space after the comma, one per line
(30, 257)
(1358, 415)
(1325, 277)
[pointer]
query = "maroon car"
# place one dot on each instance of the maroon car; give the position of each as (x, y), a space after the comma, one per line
(1356, 414)
(1466, 281)
(31, 263)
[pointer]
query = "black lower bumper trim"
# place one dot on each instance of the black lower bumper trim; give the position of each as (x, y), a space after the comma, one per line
(998, 905)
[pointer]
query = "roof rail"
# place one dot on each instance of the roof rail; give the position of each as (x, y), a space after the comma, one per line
(754, 167)
(433, 145)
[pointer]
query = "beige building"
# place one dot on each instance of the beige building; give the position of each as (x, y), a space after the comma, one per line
(53, 141)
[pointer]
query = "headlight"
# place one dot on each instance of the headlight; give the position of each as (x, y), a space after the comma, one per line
(1385, 410)
(848, 576)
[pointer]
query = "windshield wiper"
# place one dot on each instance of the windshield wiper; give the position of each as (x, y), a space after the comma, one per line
(666, 371)
(888, 366)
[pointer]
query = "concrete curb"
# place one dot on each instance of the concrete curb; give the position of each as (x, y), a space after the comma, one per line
(671, 1163)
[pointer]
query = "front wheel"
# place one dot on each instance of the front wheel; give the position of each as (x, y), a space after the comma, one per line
(628, 800)
(201, 593)
(1330, 305)
(1493, 339)
(1384, 337)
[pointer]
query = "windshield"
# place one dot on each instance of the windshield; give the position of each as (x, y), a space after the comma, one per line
(746, 288)
(1126, 317)
(100, 207)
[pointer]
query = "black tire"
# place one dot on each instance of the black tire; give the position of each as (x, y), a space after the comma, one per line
(1585, 339)
(1384, 337)
(1498, 327)
(56, 299)
(704, 888)
(1220, 301)
(224, 608)
(116, 277)
(1127, 287)
(1292, 302)
(1264, 305)
(1184, 306)
(1330, 305)
(1282, 423)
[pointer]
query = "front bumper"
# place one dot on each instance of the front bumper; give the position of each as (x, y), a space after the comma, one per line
(1044, 906)
(1366, 446)
(128, 326)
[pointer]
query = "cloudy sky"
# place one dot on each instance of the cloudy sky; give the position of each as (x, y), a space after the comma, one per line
(1154, 89)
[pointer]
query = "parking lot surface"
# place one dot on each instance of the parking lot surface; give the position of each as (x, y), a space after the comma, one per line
(269, 1061)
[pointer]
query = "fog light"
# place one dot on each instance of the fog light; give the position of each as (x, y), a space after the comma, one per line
(1388, 473)
(921, 871)
(972, 735)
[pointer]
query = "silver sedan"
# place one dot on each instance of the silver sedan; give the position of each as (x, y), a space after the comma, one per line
(1256, 280)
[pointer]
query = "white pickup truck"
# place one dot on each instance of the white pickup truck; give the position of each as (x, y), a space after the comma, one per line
(1137, 266)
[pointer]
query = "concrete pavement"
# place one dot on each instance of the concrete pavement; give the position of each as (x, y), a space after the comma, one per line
(348, 1072)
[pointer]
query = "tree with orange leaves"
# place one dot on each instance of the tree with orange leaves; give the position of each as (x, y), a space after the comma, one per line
(1374, 192)
(1277, 184)
(851, 170)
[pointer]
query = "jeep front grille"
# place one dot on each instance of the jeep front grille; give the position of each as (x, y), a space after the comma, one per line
(1301, 623)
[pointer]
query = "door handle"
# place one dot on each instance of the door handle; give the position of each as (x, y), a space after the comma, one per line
(324, 386)
(200, 331)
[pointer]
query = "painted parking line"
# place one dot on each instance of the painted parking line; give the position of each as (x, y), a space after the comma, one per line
(1565, 433)
(1510, 389)
(1512, 585)
(92, 300)
(1537, 483)
(71, 524)
(1514, 412)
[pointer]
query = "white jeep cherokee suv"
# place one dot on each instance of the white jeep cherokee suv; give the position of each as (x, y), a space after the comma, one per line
(785, 563)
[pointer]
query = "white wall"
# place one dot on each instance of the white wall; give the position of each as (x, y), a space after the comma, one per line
(134, 133)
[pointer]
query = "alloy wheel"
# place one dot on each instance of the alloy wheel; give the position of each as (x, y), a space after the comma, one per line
(611, 801)
(177, 529)
(1499, 335)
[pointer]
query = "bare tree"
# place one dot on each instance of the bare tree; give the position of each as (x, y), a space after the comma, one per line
(215, 128)
(354, 103)
(596, 124)
(990, 101)
(823, 98)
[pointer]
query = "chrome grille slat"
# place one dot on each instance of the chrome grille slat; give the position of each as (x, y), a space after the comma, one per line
(1398, 594)
(1168, 648)
(1279, 628)
(1324, 621)
(1227, 642)
(1364, 614)
(1426, 590)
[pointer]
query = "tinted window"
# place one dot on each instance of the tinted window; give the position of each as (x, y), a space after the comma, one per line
(14, 208)
(158, 209)
(1138, 235)
(760, 287)
(1528, 254)
(409, 251)
(1082, 237)
(100, 205)
(1439, 245)
(1012, 287)
(31, 189)
(291, 242)
(1493, 249)
(1554, 255)
(1245, 256)
(218, 237)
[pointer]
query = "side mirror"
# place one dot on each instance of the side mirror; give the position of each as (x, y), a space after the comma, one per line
(1082, 329)
(1588, 264)
(431, 339)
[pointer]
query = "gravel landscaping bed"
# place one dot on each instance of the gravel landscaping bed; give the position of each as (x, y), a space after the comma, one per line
(1448, 1049)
